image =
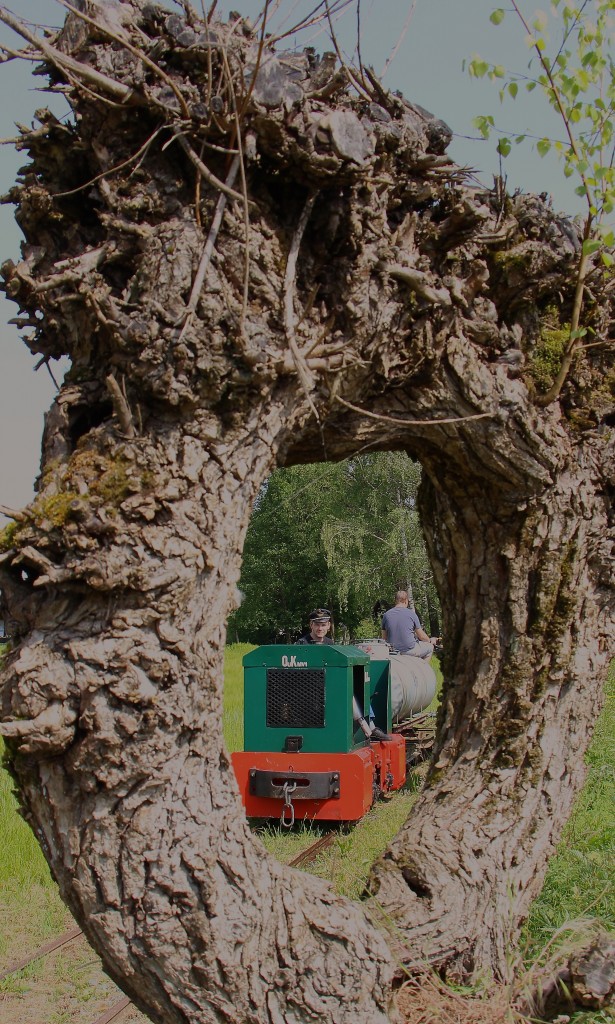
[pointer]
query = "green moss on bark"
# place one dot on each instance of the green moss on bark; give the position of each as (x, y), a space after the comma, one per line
(53, 510)
(547, 357)
(7, 536)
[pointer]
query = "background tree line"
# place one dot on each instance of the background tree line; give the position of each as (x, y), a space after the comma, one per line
(345, 535)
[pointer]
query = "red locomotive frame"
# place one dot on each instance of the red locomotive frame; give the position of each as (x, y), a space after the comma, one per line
(350, 782)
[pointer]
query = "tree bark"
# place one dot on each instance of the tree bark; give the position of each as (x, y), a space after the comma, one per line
(214, 334)
(116, 712)
(521, 698)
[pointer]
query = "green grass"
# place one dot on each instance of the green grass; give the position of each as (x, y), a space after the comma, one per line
(233, 695)
(30, 905)
(580, 881)
(22, 864)
(347, 862)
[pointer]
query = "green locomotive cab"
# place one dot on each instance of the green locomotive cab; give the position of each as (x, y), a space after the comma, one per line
(300, 697)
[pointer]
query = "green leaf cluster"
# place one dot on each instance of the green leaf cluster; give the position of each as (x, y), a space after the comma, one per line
(574, 68)
(344, 536)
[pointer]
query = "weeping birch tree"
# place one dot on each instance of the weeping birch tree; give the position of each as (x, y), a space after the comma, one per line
(345, 535)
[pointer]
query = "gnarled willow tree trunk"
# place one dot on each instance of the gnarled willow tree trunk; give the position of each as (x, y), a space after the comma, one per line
(251, 264)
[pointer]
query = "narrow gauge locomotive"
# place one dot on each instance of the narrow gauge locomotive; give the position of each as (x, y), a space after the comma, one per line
(304, 756)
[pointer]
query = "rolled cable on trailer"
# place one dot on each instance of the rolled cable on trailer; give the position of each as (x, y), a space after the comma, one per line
(413, 688)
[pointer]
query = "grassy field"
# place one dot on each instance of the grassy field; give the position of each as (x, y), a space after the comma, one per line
(580, 882)
(69, 989)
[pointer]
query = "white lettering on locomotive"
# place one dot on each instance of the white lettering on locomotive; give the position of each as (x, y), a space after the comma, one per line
(292, 662)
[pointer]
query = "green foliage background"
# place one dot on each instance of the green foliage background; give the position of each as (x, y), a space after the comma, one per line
(344, 536)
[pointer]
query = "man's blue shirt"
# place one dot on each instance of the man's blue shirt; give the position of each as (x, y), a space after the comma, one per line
(399, 624)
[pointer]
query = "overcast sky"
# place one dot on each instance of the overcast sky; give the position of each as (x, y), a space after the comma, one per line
(427, 68)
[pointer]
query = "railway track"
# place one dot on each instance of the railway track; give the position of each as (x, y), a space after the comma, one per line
(49, 947)
(311, 852)
(418, 730)
(113, 1012)
(109, 1015)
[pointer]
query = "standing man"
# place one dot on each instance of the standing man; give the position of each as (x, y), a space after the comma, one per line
(401, 627)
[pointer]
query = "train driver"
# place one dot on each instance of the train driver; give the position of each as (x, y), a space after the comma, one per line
(320, 623)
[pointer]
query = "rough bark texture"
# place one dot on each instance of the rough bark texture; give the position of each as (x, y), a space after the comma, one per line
(230, 300)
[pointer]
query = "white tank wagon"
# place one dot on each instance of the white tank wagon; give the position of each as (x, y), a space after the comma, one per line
(413, 681)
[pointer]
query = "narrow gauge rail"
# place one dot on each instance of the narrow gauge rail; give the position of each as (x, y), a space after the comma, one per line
(311, 852)
(418, 733)
(42, 951)
(114, 1011)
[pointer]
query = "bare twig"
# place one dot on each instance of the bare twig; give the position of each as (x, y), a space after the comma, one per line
(417, 281)
(210, 178)
(117, 167)
(352, 77)
(413, 423)
(12, 513)
(244, 189)
(197, 193)
(259, 57)
(66, 63)
(45, 362)
(189, 10)
(120, 406)
(359, 55)
(28, 135)
(313, 18)
(303, 372)
(316, 346)
(604, 343)
(8, 54)
(400, 38)
(229, 151)
(208, 249)
(210, 74)
(74, 82)
(135, 52)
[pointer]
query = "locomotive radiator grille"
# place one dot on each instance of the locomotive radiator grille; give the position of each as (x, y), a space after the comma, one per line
(295, 698)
